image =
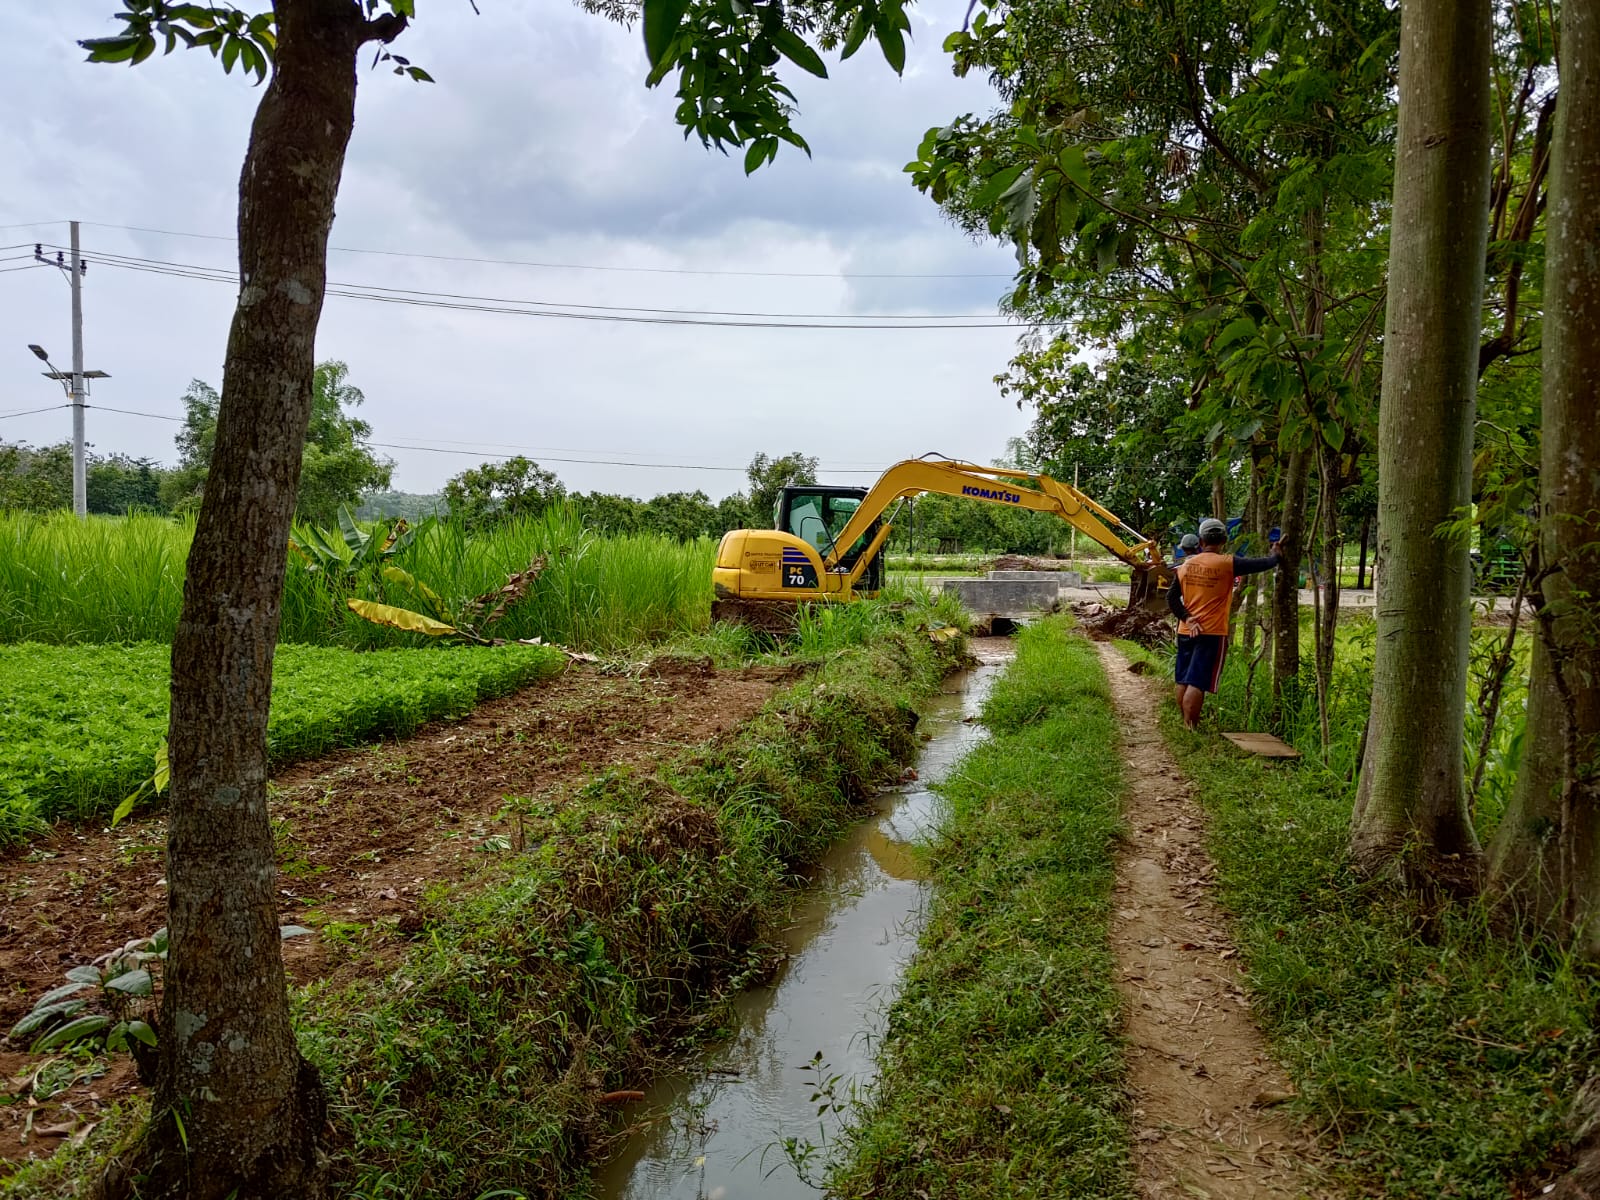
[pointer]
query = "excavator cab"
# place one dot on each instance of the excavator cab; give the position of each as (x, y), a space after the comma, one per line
(818, 514)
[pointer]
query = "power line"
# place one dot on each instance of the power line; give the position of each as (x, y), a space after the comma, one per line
(556, 266)
(525, 308)
(228, 274)
(28, 412)
(24, 267)
(483, 454)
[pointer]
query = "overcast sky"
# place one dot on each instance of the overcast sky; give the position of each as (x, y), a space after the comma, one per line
(539, 144)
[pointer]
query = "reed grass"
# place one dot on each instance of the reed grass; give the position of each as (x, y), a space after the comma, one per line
(120, 580)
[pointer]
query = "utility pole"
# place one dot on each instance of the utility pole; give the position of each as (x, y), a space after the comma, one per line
(77, 393)
(80, 482)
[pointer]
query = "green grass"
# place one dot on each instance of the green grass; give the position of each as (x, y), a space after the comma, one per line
(610, 943)
(79, 725)
(65, 581)
(1439, 1053)
(639, 908)
(1002, 1069)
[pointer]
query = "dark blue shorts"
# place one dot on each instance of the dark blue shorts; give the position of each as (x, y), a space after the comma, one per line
(1200, 659)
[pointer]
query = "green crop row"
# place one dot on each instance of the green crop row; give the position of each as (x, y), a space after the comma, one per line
(79, 725)
(66, 581)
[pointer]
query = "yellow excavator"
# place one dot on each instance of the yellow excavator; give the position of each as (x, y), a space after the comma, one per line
(826, 542)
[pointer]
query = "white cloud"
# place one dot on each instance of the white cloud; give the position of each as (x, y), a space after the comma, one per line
(539, 143)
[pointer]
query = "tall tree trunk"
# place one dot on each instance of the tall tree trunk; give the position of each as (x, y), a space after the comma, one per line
(1412, 787)
(1330, 481)
(236, 1110)
(1547, 851)
(1361, 563)
(1286, 587)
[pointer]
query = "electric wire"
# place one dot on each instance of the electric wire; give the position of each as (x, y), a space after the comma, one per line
(485, 454)
(629, 314)
(346, 292)
(556, 266)
(28, 412)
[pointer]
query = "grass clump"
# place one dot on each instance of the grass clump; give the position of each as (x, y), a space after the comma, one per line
(613, 937)
(1001, 1069)
(1439, 1051)
(79, 725)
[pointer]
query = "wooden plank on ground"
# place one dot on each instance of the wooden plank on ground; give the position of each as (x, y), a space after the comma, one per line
(1264, 744)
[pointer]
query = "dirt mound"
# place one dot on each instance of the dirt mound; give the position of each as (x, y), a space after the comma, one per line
(1104, 622)
(1027, 562)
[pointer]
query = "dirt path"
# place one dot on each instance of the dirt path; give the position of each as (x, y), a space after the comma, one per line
(1201, 1080)
(361, 835)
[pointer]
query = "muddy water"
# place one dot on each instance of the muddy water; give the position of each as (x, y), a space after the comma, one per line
(718, 1131)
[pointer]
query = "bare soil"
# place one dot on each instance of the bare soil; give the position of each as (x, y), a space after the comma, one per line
(1203, 1085)
(361, 835)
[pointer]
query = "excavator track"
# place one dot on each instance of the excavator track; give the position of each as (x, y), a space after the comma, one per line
(777, 617)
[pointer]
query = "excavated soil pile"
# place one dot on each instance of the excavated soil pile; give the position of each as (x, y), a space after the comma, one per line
(1025, 562)
(1104, 622)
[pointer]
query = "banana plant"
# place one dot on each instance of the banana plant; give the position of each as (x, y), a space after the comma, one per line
(437, 617)
(345, 553)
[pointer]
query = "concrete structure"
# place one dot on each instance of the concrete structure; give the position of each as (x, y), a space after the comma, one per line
(1062, 578)
(1009, 597)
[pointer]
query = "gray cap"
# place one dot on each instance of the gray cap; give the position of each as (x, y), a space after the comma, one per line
(1189, 542)
(1212, 525)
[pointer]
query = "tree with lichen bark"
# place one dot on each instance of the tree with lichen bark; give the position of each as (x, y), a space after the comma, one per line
(1410, 810)
(1546, 854)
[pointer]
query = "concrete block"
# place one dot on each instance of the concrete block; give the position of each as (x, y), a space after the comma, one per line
(1006, 595)
(1061, 578)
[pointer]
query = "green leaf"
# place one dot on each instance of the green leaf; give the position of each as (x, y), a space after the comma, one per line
(230, 53)
(85, 974)
(662, 20)
(141, 1031)
(43, 1014)
(794, 48)
(72, 1031)
(62, 992)
(1241, 327)
(856, 37)
(1074, 166)
(893, 44)
(111, 49)
(132, 983)
(997, 185)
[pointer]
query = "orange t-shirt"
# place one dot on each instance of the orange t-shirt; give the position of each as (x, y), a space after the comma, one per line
(1207, 582)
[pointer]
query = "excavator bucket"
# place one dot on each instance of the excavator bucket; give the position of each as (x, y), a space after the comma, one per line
(1147, 587)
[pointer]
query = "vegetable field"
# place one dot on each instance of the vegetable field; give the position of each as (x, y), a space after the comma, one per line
(79, 725)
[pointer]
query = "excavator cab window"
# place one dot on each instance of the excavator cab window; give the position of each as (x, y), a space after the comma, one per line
(819, 515)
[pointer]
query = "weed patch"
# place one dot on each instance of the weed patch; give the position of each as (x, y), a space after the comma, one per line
(1002, 1067)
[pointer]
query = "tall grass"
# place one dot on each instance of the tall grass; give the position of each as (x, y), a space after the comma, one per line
(120, 580)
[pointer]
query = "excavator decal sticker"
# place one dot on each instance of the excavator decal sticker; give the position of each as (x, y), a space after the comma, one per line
(991, 494)
(798, 571)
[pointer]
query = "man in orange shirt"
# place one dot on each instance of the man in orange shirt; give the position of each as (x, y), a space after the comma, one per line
(1201, 599)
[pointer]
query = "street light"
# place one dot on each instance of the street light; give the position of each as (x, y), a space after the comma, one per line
(72, 385)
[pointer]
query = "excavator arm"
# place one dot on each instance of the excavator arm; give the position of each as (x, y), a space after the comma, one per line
(993, 485)
(779, 567)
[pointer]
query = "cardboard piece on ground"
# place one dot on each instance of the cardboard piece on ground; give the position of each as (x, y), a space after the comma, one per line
(1264, 744)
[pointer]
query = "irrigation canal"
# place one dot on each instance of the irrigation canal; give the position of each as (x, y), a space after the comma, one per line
(724, 1121)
